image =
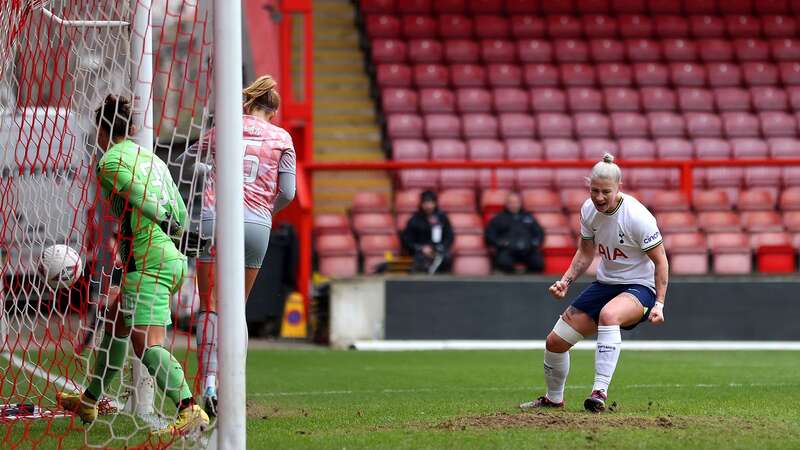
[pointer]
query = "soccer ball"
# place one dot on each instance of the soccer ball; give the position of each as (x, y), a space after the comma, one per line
(60, 266)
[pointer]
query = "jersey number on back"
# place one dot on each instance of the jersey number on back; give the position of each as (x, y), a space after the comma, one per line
(157, 181)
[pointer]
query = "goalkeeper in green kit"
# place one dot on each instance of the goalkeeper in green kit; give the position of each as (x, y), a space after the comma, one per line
(143, 196)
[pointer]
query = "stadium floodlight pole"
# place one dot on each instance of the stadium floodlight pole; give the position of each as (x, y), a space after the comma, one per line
(141, 53)
(229, 233)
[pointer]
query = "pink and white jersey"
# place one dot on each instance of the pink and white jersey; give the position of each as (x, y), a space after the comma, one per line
(267, 151)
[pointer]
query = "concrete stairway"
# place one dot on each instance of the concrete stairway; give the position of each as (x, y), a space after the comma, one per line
(345, 126)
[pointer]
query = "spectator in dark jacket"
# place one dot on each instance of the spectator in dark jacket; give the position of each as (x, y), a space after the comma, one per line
(428, 236)
(516, 237)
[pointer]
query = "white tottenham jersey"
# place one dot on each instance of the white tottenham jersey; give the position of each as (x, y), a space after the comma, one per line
(622, 237)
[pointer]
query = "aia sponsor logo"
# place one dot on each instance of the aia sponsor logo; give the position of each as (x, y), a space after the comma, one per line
(611, 254)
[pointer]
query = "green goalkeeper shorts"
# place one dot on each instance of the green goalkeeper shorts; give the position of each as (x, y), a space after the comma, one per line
(146, 293)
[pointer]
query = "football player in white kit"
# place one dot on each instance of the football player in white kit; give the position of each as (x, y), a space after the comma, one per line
(631, 285)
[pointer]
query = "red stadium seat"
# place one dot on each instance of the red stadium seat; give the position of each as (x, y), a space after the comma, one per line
(779, 26)
(560, 7)
(791, 220)
(377, 6)
(541, 75)
(763, 177)
(643, 50)
(621, 99)
(712, 148)
(680, 50)
(505, 75)
(473, 100)
(670, 26)
(593, 6)
(406, 201)
(578, 74)
(768, 98)
(562, 26)
(548, 100)
(695, 99)
(593, 149)
(517, 125)
(654, 178)
(404, 126)
(479, 125)
(666, 124)
(774, 252)
(606, 50)
(485, 149)
(772, 7)
(393, 75)
(410, 150)
(496, 178)
(751, 50)
(491, 27)
(554, 125)
(790, 73)
(629, 6)
(457, 200)
(711, 200)
(669, 201)
(424, 51)
(467, 75)
(374, 247)
(760, 74)
(414, 6)
(532, 51)
(514, 7)
(331, 224)
(450, 7)
(730, 99)
(719, 222)
(756, 200)
(373, 223)
(749, 148)
(446, 126)
(561, 149)
(636, 26)
(692, 7)
(791, 176)
(584, 99)
(688, 74)
(419, 178)
(469, 244)
(338, 256)
(636, 148)
(466, 223)
(740, 124)
(448, 150)
(524, 149)
(736, 7)
(794, 97)
(389, 51)
(527, 26)
(677, 222)
(534, 178)
(790, 201)
(558, 251)
(662, 7)
(420, 27)
(492, 202)
(553, 223)
(511, 100)
(461, 51)
(629, 125)
(787, 50)
(688, 253)
(706, 26)
(742, 26)
(437, 100)
(570, 51)
(431, 75)
(382, 26)
(485, 6)
(496, 51)
(659, 99)
(723, 75)
(762, 221)
(614, 74)
(454, 26)
(782, 148)
(541, 201)
(470, 256)
(598, 26)
(573, 198)
(731, 253)
(589, 124)
(674, 148)
(369, 202)
(399, 100)
(700, 125)
(722, 177)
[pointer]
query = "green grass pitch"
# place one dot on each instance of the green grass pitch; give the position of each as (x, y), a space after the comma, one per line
(322, 399)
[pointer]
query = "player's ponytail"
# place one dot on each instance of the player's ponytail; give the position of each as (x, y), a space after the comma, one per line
(606, 169)
(262, 95)
(114, 116)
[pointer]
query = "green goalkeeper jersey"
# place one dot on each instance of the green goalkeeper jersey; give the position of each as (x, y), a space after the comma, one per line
(141, 192)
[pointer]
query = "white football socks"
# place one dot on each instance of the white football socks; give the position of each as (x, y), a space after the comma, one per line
(609, 341)
(556, 368)
(206, 336)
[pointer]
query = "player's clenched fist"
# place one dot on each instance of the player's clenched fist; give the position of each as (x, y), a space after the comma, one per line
(657, 314)
(559, 289)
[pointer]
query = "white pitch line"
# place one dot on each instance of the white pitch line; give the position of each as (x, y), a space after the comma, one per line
(421, 345)
(35, 370)
(514, 389)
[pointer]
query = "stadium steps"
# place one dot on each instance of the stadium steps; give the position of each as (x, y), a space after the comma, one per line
(345, 125)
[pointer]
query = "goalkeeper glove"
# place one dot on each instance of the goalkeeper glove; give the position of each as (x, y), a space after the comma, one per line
(188, 242)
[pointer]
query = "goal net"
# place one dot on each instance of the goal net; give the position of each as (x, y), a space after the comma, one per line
(58, 60)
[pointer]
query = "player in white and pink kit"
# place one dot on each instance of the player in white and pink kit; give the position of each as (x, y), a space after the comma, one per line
(269, 185)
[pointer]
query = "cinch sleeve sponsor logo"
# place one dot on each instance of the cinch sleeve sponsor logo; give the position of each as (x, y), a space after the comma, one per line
(652, 238)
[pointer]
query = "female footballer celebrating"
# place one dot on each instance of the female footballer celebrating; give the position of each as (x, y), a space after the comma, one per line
(269, 186)
(631, 285)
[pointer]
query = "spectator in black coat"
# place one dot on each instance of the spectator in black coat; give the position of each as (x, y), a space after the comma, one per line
(516, 237)
(428, 236)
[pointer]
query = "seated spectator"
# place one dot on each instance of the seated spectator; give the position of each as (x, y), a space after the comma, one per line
(428, 236)
(516, 237)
